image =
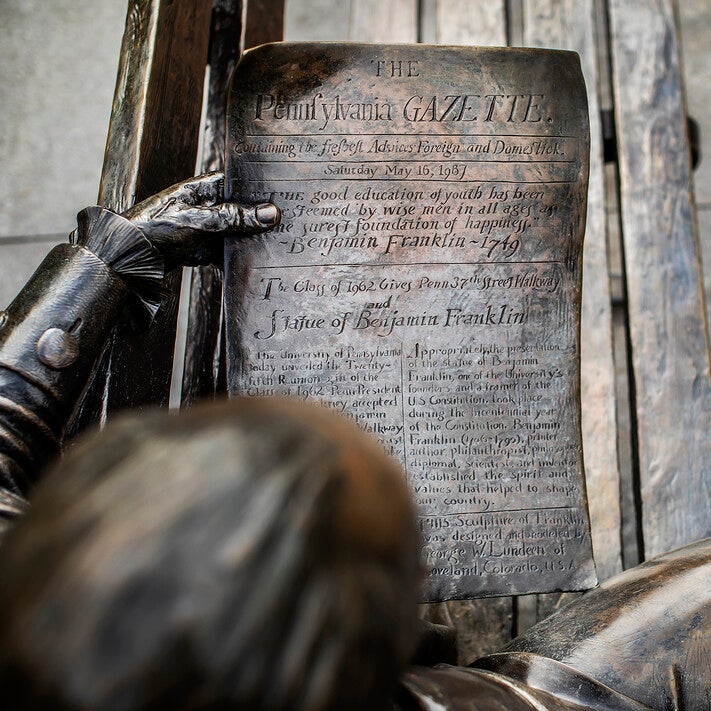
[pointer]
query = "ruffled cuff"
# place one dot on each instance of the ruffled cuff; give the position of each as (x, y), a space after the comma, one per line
(126, 250)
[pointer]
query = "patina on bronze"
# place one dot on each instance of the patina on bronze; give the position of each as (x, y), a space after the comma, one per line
(426, 281)
(55, 330)
(263, 554)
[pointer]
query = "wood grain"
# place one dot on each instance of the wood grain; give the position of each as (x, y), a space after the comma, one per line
(264, 22)
(483, 626)
(152, 143)
(378, 21)
(317, 20)
(203, 352)
(567, 24)
(236, 24)
(666, 308)
(481, 23)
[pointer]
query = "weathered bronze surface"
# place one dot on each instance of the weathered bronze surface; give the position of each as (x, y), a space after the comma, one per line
(152, 143)
(263, 554)
(426, 281)
(55, 330)
(643, 633)
(257, 554)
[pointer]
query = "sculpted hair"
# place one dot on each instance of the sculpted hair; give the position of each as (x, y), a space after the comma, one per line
(251, 555)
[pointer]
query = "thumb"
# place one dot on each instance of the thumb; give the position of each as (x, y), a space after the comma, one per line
(232, 217)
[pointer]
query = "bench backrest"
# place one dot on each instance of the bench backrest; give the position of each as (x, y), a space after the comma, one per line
(644, 428)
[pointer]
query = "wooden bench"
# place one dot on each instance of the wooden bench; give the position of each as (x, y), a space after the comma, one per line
(646, 393)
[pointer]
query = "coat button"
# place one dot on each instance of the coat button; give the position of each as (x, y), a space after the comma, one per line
(57, 349)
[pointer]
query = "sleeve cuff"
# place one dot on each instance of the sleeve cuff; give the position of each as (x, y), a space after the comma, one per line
(126, 250)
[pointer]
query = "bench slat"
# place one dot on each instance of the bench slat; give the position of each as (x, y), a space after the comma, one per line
(664, 286)
(471, 23)
(203, 352)
(568, 24)
(485, 625)
(152, 143)
(378, 21)
(317, 20)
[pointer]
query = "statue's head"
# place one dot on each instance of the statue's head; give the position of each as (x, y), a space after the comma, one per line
(256, 554)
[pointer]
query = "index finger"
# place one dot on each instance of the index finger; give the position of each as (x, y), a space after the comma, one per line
(232, 217)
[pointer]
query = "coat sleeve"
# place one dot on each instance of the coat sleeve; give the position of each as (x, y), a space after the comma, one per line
(53, 334)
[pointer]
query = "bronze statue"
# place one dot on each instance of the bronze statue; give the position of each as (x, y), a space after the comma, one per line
(263, 554)
(256, 554)
(259, 551)
(54, 331)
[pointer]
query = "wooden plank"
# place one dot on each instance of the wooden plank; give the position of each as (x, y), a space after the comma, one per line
(152, 143)
(317, 20)
(483, 626)
(427, 22)
(264, 22)
(667, 325)
(236, 24)
(564, 24)
(156, 110)
(388, 21)
(629, 491)
(471, 22)
(203, 353)
(351, 20)
(568, 24)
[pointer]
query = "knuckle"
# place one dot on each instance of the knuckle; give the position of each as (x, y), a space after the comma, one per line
(230, 216)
